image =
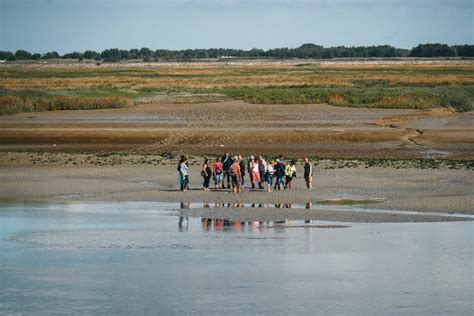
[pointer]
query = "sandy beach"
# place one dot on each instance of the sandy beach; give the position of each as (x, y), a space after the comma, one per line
(66, 177)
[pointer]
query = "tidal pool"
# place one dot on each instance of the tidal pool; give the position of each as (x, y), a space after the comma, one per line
(143, 258)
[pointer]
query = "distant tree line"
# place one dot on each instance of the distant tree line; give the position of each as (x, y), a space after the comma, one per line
(304, 51)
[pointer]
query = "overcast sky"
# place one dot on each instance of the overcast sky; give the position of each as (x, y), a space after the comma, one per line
(77, 25)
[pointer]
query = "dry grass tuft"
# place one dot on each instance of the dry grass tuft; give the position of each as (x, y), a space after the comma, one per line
(14, 104)
(338, 99)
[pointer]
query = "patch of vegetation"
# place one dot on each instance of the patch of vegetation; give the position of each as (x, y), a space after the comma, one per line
(334, 163)
(460, 98)
(14, 104)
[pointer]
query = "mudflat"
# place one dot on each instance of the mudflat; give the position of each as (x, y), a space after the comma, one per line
(294, 130)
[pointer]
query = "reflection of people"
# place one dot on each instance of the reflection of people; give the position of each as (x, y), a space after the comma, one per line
(308, 173)
(308, 207)
(218, 224)
(236, 226)
(180, 223)
(206, 223)
(183, 205)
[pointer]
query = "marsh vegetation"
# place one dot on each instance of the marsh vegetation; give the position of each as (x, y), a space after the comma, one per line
(34, 87)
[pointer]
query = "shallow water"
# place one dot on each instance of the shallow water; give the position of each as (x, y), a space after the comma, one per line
(139, 258)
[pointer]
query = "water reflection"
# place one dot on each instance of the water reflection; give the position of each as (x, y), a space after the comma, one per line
(222, 224)
(183, 219)
(308, 205)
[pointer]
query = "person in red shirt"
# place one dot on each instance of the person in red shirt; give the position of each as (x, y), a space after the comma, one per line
(217, 172)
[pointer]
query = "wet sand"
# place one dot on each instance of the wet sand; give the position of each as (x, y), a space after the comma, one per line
(295, 130)
(24, 177)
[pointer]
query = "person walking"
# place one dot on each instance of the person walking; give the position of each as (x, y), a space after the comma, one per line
(235, 174)
(217, 171)
(184, 172)
(308, 173)
(206, 173)
(226, 163)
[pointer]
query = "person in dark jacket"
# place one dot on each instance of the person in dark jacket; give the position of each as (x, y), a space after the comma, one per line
(242, 170)
(279, 173)
(226, 163)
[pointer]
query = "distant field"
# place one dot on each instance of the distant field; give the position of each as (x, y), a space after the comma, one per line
(25, 88)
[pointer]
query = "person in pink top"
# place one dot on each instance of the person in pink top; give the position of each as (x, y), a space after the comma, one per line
(255, 173)
(217, 172)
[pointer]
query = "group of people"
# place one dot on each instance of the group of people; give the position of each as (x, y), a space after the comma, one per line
(274, 174)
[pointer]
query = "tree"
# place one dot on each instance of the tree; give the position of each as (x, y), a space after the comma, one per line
(73, 55)
(51, 55)
(133, 54)
(464, 50)
(22, 54)
(90, 54)
(4, 55)
(144, 51)
(433, 50)
(111, 55)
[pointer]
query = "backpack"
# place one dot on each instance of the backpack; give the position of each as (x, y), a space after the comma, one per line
(233, 170)
(288, 171)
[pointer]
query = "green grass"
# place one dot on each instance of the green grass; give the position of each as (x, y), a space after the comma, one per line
(459, 97)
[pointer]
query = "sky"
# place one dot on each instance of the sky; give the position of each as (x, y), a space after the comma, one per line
(79, 25)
